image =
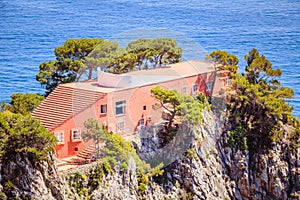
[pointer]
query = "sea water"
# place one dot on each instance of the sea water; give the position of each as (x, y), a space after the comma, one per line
(31, 29)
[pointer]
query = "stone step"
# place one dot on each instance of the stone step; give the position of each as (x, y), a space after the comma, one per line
(86, 153)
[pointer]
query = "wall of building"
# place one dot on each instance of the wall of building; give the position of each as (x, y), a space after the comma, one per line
(139, 105)
(140, 97)
(72, 147)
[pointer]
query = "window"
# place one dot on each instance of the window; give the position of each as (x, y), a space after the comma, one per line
(141, 122)
(144, 107)
(227, 81)
(184, 90)
(194, 89)
(209, 86)
(121, 126)
(120, 107)
(60, 137)
(103, 109)
(76, 134)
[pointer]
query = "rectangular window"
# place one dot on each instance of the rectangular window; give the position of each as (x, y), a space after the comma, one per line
(121, 126)
(76, 134)
(209, 86)
(120, 107)
(60, 137)
(144, 107)
(141, 122)
(194, 89)
(184, 90)
(103, 109)
(227, 81)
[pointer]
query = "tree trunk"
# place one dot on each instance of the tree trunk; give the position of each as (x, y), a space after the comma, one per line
(171, 121)
(90, 72)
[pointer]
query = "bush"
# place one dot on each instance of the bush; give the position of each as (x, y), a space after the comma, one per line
(24, 135)
(95, 175)
(142, 188)
(191, 154)
(237, 138)
(118, 152)
(77, 182)
(143, 181)
(3, 196)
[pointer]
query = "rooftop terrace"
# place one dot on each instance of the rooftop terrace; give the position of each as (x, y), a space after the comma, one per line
(108, 82)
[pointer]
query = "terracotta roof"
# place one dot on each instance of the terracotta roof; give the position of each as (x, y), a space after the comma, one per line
(64, 102)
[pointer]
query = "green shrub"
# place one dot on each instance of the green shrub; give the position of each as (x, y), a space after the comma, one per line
(96, 175)
(3, 196)
(157, 171)
(143, 181)
(258, 109)
(24, 135)
(9, 185)
(191, 154)
(142, 188)
(117, 152)
(77, 181)
(237, 138)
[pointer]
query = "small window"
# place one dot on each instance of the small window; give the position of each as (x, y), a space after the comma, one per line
(120, 107)
(76, 134)
(76, 149)
(60, 137)
(144, 107)
(141, 122)
(209, 86)
(103, 109)
(184, 90)
(121, 126)
(227, 81)
(194, 88)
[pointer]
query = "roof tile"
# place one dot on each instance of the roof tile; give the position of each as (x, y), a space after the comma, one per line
(64, 102)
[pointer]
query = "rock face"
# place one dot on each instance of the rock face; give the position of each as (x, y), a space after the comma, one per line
(22, 179)
(272, 175)
(198, 166)
(211, 170)
(199, 169)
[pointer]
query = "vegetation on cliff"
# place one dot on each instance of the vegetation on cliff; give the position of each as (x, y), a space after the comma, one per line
(25, 145)
(258, 107)
(23, 139)
(20, 133)
(115, 154)
(112, 148)
(24, 135)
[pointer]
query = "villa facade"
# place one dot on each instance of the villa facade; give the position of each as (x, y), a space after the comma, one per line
(121, 103)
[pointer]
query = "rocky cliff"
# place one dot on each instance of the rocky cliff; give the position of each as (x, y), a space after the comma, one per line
(198, 165)
(22, 178)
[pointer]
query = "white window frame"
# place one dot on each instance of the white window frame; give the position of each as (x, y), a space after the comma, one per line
(105, 109)
(227, 81)
(122, 105)
(120, 126)
(79, 134)
(60, 136)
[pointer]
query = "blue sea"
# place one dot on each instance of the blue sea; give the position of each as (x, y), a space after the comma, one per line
(31, 29)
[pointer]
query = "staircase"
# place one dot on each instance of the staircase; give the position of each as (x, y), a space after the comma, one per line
(87, 153)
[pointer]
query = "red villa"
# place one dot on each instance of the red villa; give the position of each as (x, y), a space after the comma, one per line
(121, 103)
